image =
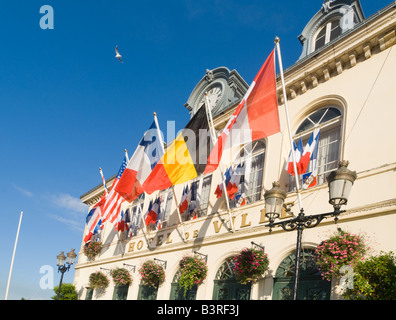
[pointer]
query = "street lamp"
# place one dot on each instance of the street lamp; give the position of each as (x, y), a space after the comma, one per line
(61, 258)
(340, 183)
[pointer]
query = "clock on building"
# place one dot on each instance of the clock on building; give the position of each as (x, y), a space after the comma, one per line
(214, 94)
(223, 87)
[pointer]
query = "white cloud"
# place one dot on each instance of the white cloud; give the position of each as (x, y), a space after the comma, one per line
(72, 211)
(23, 191)
(66, 201)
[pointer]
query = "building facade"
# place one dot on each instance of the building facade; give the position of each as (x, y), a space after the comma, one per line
(342, 84)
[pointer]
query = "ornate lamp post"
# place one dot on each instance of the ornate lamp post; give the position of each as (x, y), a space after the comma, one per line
(340, 183)
(62, 268)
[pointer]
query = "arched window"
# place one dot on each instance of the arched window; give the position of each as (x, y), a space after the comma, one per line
(327, 33)
(311, 286)
(226, 287)
(328, 120)
(251, 157)
(177, 293)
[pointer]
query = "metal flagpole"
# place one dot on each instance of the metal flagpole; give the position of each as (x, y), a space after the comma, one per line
(173, 187)
(288, 121)
(13, 256)
(213, 134)
(300, 226)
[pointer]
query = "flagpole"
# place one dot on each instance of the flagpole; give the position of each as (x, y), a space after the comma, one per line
(173, 188)
(288, 121)
(213, 134)
(13, 256)
(144, 225)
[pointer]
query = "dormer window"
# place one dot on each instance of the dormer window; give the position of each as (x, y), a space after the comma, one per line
(329, 32)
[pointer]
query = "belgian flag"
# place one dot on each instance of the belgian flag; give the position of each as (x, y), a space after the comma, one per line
(185, 158)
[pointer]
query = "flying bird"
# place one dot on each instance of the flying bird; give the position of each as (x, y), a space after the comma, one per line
(118, 56)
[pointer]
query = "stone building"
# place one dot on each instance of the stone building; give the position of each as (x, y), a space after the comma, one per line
(342, 84)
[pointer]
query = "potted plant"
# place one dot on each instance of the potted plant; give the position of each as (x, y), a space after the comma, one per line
(152, 274)
(98, 280)
(193, 271)
(341, 249)
(250, 265)
(92, 249)
(121, 276)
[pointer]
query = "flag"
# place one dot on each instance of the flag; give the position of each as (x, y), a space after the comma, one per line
(193, 201)
(185, 199)
(298, 150)
(114, 200)
(153, 212)
(233, 184)
(93, 220)
(139, 167)
(310, 178)
(256, 117)
(122, 224)
(240, 200)
(309, 149)
(219, 189)
(186, 156)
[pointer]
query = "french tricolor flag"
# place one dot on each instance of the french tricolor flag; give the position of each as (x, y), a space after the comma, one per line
(298, 151)
(146, 156)
(93, 220)
(153, 212)
(310, 148)
(256, 117)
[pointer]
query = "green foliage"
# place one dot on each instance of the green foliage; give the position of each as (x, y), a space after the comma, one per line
(98, 280)
(250, 265)
(151, 274)
(193, 271)
(374, 279)
(67, 292)
(341, 249)
(92, 249)
(121, 276)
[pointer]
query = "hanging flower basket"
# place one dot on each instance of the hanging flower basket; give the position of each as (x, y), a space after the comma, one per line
(92, 249)
(121, 276)
(250, 265)
(152, 274)
(193, 271)
(98, 280)
(341, 249)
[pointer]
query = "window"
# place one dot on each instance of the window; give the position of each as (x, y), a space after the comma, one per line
(166, 205)
(134, 216)
(329, 32)
(200, 191)
(251, 183)
(328, 120)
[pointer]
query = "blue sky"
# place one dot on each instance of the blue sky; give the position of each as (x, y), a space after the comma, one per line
(68, 106)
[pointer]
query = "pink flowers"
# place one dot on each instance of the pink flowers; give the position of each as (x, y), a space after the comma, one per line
(250, 265)
(193, 271)
(152, 274)
(121, 276)
(341, 249)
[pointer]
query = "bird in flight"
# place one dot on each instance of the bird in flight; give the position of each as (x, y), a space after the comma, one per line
(118, 56)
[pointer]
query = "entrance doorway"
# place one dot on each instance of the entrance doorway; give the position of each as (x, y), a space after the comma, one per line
(226, 287)
(311, 286)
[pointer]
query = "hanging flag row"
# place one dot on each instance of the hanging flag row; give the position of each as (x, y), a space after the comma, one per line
(192, 153)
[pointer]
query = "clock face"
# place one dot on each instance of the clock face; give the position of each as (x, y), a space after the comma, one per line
(214, 95)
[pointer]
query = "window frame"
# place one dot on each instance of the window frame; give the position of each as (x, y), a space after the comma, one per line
(333, 124)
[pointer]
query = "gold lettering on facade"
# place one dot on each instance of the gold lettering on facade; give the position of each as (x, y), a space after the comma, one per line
(243, 223)
(159, 240)
(139, 245)
(186, 235)
(216, 226)
(195, 234)
(168, 239)
(131, 247)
